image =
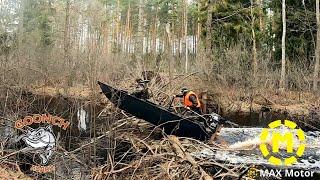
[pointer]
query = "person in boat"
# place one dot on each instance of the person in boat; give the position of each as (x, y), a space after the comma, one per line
(190, 100)
(141, 89)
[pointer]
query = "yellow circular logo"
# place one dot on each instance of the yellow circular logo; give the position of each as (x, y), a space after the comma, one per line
(287, 138)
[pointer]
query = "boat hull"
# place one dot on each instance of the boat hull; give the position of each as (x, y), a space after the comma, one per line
(170, 122)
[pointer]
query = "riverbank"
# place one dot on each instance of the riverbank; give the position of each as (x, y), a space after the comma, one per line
(259, 107)
(250, 108)
(246, 107)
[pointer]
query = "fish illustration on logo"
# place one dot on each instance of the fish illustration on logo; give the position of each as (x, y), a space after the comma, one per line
(40, 141)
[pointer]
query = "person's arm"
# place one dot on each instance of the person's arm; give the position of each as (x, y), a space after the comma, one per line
(179, 95)
(193, 99)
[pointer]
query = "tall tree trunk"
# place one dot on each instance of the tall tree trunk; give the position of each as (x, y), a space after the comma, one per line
(144, 34)
(129, 45)
(127, 33)
(317, 49)
(185, 19)
(117, 33)
(154, 34)
(169, 51)
(209, 28)
(254, 48)
(194, 38)
(106, 29)
(66, 38)
(198, 29)
(283, 47)
(173, 41)
(139, 45)
(261, 24)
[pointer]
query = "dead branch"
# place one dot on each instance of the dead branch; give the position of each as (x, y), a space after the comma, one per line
(184, 155)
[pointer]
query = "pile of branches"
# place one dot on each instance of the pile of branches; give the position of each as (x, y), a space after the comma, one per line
(11, 171)
(169, 157)
(151, 153)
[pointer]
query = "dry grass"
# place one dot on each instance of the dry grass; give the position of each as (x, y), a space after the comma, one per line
(7, 173)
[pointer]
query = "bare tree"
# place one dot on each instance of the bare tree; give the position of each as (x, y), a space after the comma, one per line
(254, 48)
(116, 30)
(209, 28)
(317, 49)
(154, 33)
(127, 30)
(67, 34)
(198, 28)
(185, 19)
(169, 50)
(261, 23)
(283, 47)
(139, 45)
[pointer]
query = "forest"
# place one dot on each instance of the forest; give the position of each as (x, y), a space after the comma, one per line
(251, 61)
(236, 43)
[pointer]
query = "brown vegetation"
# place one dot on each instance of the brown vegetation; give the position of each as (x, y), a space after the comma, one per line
(53, 53)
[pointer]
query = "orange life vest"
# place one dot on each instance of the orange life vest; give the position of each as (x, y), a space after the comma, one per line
(187, 102)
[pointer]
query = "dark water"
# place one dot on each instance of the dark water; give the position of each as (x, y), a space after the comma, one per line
(262, 119)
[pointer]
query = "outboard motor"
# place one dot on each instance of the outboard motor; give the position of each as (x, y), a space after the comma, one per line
(213, 120)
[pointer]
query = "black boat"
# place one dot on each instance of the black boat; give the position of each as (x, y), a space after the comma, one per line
(198, 127)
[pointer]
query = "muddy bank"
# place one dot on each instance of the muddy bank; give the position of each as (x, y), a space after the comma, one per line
(258, 110)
